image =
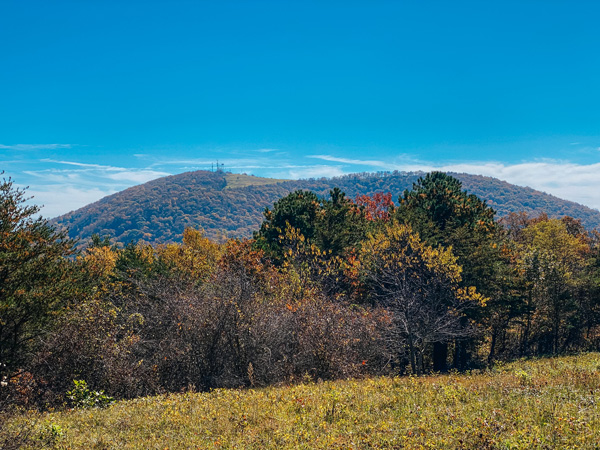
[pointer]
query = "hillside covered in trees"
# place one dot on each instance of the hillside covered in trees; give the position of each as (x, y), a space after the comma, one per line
(228, 205)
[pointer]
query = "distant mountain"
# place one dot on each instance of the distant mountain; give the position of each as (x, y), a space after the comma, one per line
(231, 205)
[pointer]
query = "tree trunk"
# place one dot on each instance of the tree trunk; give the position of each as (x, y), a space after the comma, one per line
(440, 356)
(492, 354)
(413, 359)
(460, 355)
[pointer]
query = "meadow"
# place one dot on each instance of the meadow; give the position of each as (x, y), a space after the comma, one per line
(541, 403)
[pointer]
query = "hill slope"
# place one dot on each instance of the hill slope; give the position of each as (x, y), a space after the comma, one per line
(231, 205)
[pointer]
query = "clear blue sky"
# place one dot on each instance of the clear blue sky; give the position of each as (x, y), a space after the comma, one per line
(96, 96)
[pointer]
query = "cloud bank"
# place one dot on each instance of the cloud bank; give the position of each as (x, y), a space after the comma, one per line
(30, 147)
(576, 182)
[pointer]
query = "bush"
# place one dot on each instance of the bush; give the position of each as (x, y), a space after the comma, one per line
(82, 397)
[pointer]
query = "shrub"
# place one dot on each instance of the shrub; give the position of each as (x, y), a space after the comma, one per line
(82, 397)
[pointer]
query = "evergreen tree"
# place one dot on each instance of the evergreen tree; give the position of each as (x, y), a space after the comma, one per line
(444, 215)
(341, 224)
(334, 225)
(298, 210)
(35, 277)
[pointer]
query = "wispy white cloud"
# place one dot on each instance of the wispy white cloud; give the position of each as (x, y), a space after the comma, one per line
(65, 198)
(56, 176)
(393, 164)
(139, 176)
(360, 162)
(267, 150)
(29, 147)
(78, 164)
(69, 185)
(314, 172)
(95, 175)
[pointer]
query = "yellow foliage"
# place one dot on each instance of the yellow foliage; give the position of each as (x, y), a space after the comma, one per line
(100, 260)
(555, 248)
(195, 259)
(398, 247)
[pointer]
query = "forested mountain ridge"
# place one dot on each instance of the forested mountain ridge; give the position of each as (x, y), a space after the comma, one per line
(231, 205)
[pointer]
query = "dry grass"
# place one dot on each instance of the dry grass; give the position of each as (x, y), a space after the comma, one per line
(236, 180)
(545, 403)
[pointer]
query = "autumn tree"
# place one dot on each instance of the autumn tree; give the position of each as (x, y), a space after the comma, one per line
(420, 286)
(554, 260)
(194, 260)
(35, 277)
(589, 294)
(377, 207)
(554, 277)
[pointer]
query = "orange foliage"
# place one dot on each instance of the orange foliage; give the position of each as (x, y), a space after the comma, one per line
(377, 206)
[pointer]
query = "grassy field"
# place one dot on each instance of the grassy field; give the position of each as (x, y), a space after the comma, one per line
(545, 403)
(236, 180)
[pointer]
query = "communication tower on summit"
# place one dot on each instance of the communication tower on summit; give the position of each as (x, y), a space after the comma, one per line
(220, 167)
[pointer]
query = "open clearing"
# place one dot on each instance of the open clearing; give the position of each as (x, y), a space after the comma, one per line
(543, 403)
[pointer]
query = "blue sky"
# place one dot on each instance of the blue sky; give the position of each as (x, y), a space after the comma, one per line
(97, 96)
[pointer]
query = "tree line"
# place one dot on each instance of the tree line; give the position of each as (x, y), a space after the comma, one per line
(327, 288)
